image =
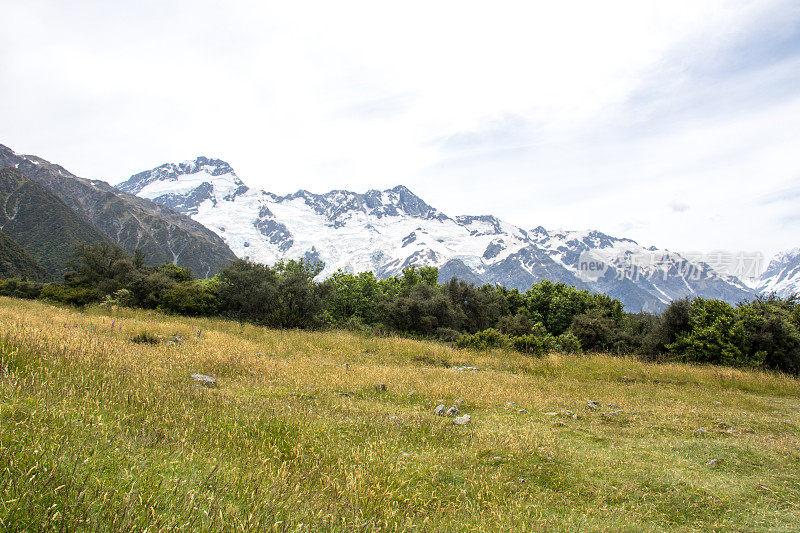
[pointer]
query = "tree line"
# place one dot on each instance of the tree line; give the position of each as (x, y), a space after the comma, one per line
(548, 317)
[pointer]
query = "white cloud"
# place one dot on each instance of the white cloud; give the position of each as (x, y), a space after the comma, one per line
(576, 114)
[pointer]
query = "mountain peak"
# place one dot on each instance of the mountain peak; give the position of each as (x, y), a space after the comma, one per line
(402, 189)
(184, 186)
(410, 203)
(200, 167)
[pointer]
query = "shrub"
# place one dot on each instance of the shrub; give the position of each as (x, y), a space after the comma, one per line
(667, 327)
(513, 325)
(20, 288)
(533, 344)
(354, 323)
(448, 335)
(484, 340)
(594, 331)
(145, 337)
(715, 336)
(70, 294)
(772, 335)
(568, 343)
(191, 298)
(103, 266)
(120, 297)
(248, 291)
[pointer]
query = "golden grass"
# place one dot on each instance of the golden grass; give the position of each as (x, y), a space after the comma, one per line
(99, 432)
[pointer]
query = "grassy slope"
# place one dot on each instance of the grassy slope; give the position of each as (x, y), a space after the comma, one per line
(97, 430)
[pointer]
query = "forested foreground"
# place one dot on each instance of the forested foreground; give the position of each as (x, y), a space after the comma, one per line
(549, 317)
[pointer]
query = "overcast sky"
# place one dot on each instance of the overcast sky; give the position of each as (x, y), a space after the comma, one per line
(674, 123)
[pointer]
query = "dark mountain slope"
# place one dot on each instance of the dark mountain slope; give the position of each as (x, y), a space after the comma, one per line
(41, 223)
(16, 262)
(132, 222)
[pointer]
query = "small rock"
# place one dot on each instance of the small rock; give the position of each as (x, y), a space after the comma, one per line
(717, 403)
(453, 411)
(700, 431)
(592, 405)
(463, 368)
(522, 411)
(411, 394)
(440, 410)
(551, 413)
(345, 367)
(713, 462)
(722, 425)
(204, 381)
(462, 420)
(731, 431)
(459, 401)
(380, 387)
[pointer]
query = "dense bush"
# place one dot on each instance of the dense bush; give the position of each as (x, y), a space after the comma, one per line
(548, 317)
(104, 267)
(537, 342)
(20, 288)
(595, 331)
(191, 298)
(484, 340)
(77, 295)
(284, 296)
(248, 291)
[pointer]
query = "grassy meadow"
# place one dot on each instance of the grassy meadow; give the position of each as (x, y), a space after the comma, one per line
(98, 432)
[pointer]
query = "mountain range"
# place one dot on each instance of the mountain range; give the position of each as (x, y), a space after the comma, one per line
(199, 214)
(386, 231)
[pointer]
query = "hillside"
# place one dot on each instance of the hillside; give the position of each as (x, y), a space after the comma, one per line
(386, 231)
(41, 223)
(132, 222)
(16, 262)
(104, 433)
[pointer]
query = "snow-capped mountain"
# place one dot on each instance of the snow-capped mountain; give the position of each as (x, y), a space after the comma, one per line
(782, 275)
(386, 231)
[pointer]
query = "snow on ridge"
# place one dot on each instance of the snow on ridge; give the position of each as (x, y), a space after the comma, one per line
(384, 231)
(782, 275)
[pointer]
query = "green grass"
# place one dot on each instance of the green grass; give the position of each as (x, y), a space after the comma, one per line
(99, 432)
